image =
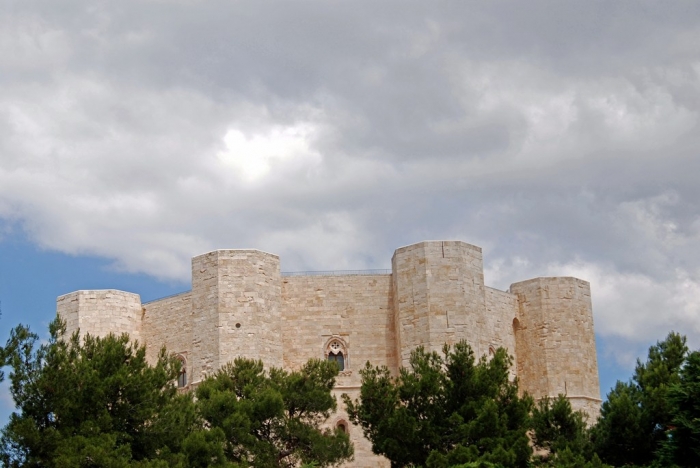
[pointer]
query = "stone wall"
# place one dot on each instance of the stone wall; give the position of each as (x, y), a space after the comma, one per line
(168, 322)
(205, 316)
(240, 305)
(411, 300)
(250, 322)
(501, 309)
(555, 341)
(101, 312)
(236, 307)
(440, 298)
(363, 447)
(356, 309)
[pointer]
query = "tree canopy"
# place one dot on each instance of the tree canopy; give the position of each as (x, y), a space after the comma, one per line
(96, 402)
(562, 435)
(682, 446)
(445, 410)
(635, 417)
(90, 403)
(273, 419)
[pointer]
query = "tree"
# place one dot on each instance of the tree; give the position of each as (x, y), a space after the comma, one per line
(682, 446)
(274, 419)
(635, 418)
(557, 427)
(655, 378)
(94, 402)
(620, 437)
(444, 410)
(97, 402)
(19, 336)
(563, 434)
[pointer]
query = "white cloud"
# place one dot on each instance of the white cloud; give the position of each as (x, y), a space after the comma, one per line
(255, 156)
(631, 310)
(330, 243)
(147, 133)
(31, 44)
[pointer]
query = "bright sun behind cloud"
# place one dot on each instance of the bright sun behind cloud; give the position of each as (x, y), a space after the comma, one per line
(254, 156)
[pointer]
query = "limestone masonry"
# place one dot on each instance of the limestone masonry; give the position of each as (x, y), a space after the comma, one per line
(241, 305)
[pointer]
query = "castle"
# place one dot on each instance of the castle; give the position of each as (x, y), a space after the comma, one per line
(241, 304)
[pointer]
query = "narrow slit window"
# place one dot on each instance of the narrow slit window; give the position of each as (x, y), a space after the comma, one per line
(182, 376)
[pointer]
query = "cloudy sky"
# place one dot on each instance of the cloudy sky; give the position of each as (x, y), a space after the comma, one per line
(563, 138)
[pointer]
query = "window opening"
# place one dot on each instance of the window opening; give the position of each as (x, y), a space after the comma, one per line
(335, 353)
(182, 376)
(339, 359)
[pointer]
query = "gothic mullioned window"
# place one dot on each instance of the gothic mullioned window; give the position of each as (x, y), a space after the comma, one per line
(336, 351)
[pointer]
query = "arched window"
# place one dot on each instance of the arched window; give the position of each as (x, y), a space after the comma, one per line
(337, 352)
(182, 376)
(342, 425)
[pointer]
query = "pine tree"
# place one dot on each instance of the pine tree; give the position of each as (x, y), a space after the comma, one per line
(274, 419)
(634, 420)
(682, 446)
(91, 402)
(445, 410)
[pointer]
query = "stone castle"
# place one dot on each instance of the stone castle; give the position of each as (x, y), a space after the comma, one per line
(241, 304)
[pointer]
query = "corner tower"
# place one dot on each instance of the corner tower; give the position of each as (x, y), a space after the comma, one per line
(555, 342)
(236, 297)
(101, 312)
(438, 297)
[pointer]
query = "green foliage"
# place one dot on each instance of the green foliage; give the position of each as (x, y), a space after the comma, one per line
(560, 431)
(205, 448)
(444, 411)
(655, 378)
(478, 464)
(20, 336)
(620, 437)
(567, 458)
(273, 419)
(90, 403)
(682, 446)
(636, 415)
(97, 402)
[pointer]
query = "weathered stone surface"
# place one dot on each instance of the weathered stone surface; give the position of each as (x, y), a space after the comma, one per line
(555, 342)
(168, 323)
(102, 312)
(240, 305)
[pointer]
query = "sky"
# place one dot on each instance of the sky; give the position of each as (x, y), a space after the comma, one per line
(561, 137)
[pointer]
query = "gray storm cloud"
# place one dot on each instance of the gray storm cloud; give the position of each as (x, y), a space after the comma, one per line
(562, 138)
